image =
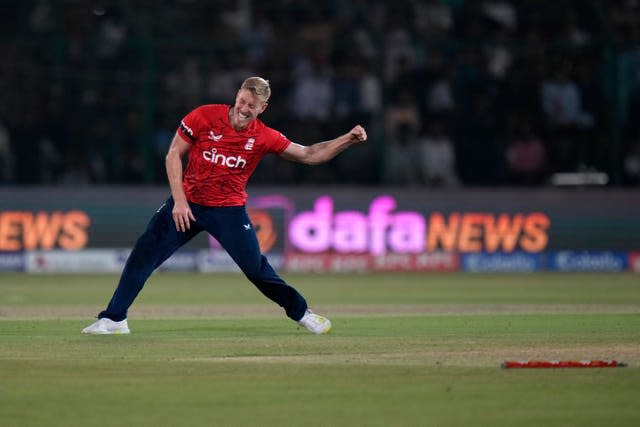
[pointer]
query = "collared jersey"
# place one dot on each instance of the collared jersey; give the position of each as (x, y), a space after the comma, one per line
(221, 159)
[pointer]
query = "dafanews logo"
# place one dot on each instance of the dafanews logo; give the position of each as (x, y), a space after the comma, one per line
(220, 159)
(382, 230)
(25, 230)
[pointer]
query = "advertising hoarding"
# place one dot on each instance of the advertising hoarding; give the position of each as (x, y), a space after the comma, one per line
(349, 229)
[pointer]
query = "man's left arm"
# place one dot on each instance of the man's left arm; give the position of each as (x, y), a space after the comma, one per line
(321, 152)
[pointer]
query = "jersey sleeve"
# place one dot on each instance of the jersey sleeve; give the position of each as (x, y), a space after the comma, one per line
(276, 141)
(191, 125)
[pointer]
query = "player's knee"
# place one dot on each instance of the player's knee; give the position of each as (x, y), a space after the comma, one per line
(254, 271)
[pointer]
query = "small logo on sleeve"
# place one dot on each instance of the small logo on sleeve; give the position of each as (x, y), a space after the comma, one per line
(187, 130)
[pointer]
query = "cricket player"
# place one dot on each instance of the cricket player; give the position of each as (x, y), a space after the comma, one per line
(224, 145)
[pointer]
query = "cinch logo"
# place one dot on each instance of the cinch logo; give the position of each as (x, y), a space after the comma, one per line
(220, 159)
(382, 230)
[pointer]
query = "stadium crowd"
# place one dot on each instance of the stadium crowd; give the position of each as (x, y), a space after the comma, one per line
(452, 92)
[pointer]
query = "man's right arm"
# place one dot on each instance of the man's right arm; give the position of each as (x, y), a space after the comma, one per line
(321, 152)
(182, 214)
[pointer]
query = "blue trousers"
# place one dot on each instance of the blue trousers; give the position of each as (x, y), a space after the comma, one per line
(229, 225)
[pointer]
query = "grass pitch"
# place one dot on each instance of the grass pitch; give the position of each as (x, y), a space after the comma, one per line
(406, 350)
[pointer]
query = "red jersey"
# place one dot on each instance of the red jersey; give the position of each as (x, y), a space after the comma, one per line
(221, 159)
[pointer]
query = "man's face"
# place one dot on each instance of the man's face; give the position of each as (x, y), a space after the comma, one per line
(248, 106)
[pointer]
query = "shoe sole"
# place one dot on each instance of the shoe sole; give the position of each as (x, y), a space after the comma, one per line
(324, 331)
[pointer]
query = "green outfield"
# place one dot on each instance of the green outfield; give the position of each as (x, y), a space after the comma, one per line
(406, 350)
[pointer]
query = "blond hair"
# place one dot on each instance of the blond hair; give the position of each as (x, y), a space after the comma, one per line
(258, 86)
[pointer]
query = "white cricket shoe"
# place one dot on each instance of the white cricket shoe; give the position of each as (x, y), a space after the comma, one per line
(315, 323)
(106, 326)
